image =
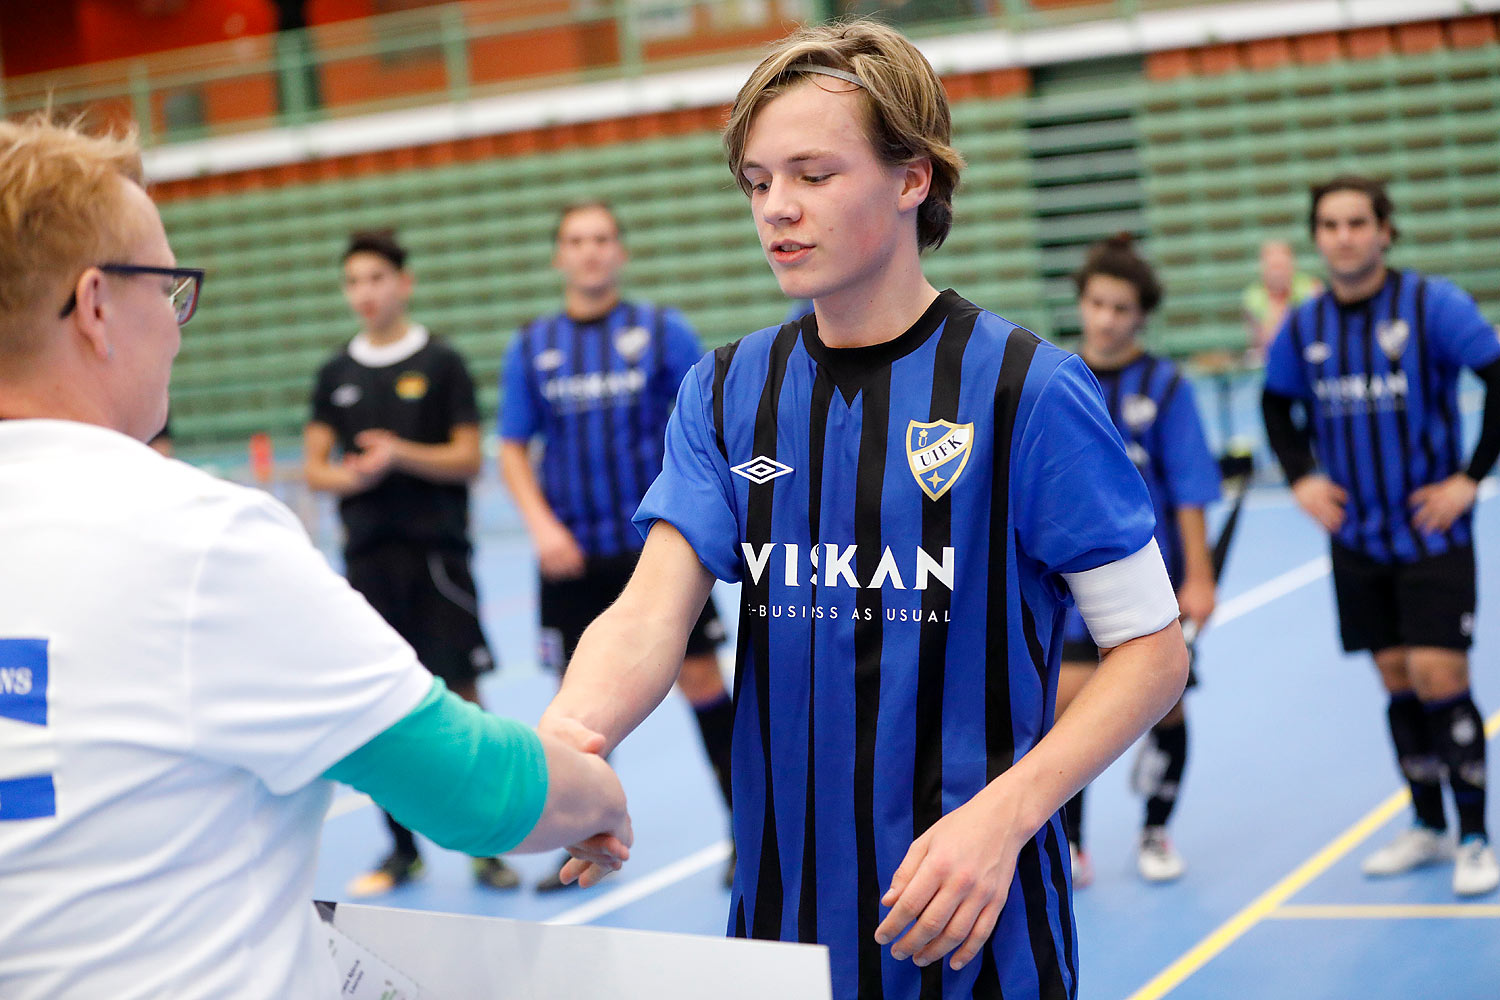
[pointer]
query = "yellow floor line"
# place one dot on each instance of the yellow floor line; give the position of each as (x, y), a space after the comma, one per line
(1405, 911)
(1272, 899)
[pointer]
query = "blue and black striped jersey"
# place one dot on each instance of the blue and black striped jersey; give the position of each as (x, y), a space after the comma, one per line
(899, 517)
(1153, 408)
(1380, 380)
(598, 394)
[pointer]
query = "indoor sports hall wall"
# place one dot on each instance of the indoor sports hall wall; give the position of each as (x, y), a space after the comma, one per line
(480, 235)
(1202, 153)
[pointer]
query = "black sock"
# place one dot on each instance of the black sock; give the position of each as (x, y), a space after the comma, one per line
(716, 724)
(1418, 758)
(1072, 811)
(406, 844)
(1171, 743)
(1458, 733)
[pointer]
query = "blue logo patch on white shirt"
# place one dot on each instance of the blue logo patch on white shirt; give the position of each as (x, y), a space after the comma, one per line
(23, 697)
(33, 797)
(23, 680)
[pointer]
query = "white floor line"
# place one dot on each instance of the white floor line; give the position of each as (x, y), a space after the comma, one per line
(645, 886)
(1278, 586)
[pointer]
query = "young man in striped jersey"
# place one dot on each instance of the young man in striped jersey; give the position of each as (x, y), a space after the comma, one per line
(907, 488)
(593, 385)
(1153, 409)
(1374, 364)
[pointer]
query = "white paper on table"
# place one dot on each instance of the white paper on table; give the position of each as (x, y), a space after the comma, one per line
(488, 958)
(362, 974)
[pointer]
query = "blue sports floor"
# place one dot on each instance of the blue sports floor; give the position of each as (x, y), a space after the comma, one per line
(1291, 781)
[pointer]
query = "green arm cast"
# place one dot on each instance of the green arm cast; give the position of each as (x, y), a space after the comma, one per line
(469, 780)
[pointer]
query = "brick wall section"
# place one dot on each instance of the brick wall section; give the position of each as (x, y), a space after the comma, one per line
(1006, 82)
(1321, 47)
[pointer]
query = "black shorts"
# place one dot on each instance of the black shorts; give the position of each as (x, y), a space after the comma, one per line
(1429, 602)
(1075, 651)
(568, 606)
(428, 596)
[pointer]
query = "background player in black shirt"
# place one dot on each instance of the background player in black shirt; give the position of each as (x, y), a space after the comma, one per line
(399, 407)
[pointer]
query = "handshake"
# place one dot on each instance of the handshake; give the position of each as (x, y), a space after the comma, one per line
(585, 807)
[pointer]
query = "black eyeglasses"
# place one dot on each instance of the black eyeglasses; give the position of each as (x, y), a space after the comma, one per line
(187, 282)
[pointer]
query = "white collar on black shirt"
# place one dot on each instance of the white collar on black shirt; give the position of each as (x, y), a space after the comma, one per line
(373, 356)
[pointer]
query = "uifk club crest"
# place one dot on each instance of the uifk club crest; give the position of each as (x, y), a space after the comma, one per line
(937, 453)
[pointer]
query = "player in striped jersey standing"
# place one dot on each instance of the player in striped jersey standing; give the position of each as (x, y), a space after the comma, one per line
(1373, 364)
(907, 487)
(1153, 408)
(592, 386)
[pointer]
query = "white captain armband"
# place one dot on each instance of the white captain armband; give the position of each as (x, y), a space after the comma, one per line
(1125, 599)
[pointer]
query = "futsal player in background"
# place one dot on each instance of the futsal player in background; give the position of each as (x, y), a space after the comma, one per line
(175, 690)
(591, 388)
(904, 485)
(1153, 408)
(1372, 366)
(394, 435)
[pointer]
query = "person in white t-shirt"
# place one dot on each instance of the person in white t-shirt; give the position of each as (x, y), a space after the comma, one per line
(179, 668)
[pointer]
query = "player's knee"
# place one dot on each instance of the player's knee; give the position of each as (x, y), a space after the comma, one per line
(1393, 665)
(1438, 674)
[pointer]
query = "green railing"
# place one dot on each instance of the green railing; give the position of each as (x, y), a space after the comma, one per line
(454, 52)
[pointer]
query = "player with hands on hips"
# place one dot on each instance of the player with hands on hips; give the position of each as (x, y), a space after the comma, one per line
(1371, 367)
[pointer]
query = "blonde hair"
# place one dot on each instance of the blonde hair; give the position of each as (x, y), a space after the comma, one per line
(906, 109)
(60, 213)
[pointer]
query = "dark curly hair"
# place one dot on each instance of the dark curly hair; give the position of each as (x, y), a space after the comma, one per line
(1115, 257)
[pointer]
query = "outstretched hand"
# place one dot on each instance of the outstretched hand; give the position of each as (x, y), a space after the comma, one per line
(592, 860)
(603, 853)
